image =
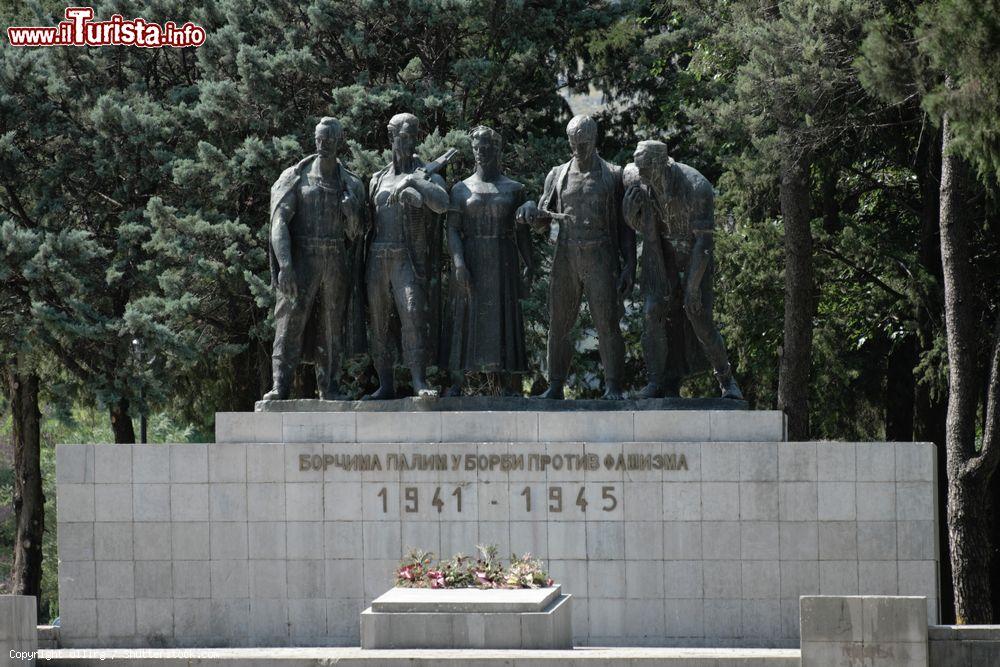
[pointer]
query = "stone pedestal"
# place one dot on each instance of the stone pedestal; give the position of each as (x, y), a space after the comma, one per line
(468, 618)
(18, 633)
(669, 527)
(845, 631)
(548, 422)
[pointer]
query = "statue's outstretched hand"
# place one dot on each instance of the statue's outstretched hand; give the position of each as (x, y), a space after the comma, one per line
(527, 214)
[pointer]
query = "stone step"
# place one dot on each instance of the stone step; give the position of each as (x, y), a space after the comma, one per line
(503, 426)
(356, 657)
(429, 600)
(48, 636)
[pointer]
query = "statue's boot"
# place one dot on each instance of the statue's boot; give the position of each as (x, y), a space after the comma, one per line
(614, 370)
(554, 392)
(281, 386)
(457, 380)
(652, 390)
(613, 391)
(728, 384)
(386, 386)
(277, 393)
(415, 360)
(420, 387)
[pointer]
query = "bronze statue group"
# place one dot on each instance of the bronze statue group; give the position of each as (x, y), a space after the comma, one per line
(591, 209)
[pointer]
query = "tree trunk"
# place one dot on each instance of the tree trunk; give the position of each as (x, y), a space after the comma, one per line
(121, 422)
(899, 391)
(29, 500)
(969, 523)
(796, 357)
(989, 460)
(930, 409)
(995, 548)
(969, 472)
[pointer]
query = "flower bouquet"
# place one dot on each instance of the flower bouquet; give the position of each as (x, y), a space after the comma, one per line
(419, 570)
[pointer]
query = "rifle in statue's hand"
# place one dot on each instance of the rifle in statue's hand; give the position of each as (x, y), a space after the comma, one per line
(423, 173)
(438, 164)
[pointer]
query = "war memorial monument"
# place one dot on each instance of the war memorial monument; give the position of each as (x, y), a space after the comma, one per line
(668, 522)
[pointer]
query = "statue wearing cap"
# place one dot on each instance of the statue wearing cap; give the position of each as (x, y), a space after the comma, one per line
(673, 206)
(315, 206)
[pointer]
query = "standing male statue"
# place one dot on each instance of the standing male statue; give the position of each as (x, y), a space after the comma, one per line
(673, 206)
(314, 206)
(487, 251)
(595, 256)
(405, 196)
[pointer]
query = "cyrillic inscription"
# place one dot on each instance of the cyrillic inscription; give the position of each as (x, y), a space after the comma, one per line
(490, 462)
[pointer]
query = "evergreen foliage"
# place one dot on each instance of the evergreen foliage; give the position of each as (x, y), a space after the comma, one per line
(134, 183)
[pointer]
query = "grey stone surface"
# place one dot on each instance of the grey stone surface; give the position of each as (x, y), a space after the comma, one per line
(754, 425)
(962, 645)
(474, 623)
(151, 465)
(75, 464)
(427, 600)
(248, 427)
(842, 631)
(355, 656)
(18, 629)
(714, 554)
(479, 404)
(522, 420)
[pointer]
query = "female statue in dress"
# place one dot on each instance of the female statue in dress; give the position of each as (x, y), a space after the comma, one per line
(487, 251)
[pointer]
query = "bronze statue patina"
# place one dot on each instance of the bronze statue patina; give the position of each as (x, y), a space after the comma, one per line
(405, 197)
(595, 255)
(673, 206)
(486, 245)
(315, 206)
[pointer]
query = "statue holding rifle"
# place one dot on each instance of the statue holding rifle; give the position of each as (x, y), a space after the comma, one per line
(405, 196)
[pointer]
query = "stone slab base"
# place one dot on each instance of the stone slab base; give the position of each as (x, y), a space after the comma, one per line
(961, 645)
(48, 636)
(496, 403)
(475, 600)
(18, 629)
(548, 629)
(850, 630)
(194, 545)
(509, 425)
(356, 657)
